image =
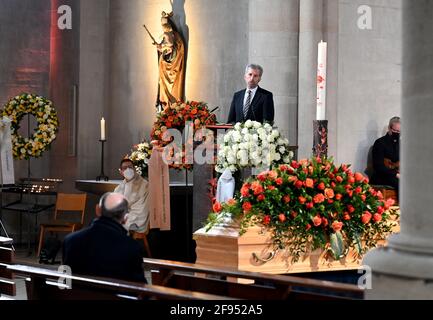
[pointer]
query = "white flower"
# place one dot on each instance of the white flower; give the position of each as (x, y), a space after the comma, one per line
(248, 124)
(282, 149)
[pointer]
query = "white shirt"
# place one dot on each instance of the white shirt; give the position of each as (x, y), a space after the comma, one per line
(253, 93)
(136, 191)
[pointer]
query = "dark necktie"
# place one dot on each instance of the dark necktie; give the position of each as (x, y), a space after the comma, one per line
(247, 104)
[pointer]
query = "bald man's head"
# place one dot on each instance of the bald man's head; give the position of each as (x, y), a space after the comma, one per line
(113, 205)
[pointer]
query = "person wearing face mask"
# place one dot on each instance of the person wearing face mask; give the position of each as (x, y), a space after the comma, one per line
(386, 156)
(136, 191)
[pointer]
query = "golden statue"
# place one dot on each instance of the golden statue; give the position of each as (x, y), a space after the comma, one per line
(171, 59)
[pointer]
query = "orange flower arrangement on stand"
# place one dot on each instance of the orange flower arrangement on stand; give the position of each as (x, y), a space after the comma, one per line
(176, 116)
(312, 204)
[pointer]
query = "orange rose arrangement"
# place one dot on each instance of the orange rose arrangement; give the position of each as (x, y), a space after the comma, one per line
(176, 116)
(312, 204)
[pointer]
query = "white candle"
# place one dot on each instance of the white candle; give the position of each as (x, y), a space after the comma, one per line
(103, 129)
(321, 81)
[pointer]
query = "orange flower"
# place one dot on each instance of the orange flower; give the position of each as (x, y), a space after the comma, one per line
(279, 181)
(337, 226)
(257, 188)
(366, 217)
(231, 202)
(282, 217)
(272, 174)
(338, 196)
(324, 222)
(302, 200)
(194, 111)
(245, 190)
(359, 177)
(266, 220)
(247, 207)
(217, 207)
(377, 217)
(286, 198)
(309, 183)
(321, 186)
(329, 193)
(317, 221)
(319, 198)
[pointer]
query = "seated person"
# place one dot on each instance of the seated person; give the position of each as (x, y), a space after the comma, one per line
(136, 191)
(386, 156)
(104, 249)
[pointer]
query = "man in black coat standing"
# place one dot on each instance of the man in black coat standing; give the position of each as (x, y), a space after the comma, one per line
(104, 248)
(252, 103)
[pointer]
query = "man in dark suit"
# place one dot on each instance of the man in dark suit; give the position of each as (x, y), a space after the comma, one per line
(252, 103)
(386, 156)
(104, 248)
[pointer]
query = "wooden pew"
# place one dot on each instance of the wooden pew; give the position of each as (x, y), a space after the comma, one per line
(264, 286)
(43, 284)
(7, 256)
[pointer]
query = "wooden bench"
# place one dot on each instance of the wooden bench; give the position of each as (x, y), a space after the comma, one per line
(263, 286)
(44, 284)
(7, 256)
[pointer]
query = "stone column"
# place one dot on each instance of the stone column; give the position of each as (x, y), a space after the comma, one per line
(274, 38)
(404, 269)
(310, 33)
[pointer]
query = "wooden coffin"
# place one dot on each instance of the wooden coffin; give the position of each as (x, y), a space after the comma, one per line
(222, 246)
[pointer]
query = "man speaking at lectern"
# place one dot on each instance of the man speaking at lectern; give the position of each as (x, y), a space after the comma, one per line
(252, 103)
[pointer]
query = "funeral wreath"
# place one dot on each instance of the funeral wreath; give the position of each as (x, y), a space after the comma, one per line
(47, 124)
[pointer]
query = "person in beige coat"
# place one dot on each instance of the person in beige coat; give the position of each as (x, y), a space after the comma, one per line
(136, 191)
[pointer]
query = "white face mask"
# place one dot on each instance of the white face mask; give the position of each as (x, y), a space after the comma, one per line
(129, 174)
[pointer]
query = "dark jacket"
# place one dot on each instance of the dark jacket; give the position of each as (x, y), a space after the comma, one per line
(261, 108)
(104, 249)
(385, 148)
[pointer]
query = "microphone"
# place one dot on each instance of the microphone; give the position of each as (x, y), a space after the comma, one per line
(214, 109)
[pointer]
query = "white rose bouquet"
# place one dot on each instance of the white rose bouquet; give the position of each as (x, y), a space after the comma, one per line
(252, 144)
(140, 156)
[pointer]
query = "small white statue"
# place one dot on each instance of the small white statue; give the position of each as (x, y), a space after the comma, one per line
(225, 187)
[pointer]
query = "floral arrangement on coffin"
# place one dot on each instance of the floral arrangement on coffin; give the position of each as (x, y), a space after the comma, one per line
(47, 124)
(252, 144)
(175, 117)
(311, 204)
(140, 156)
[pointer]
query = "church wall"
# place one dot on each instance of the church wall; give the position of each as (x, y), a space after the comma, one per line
(274, 44)
(369, 78)
(25, 62)
(24, 67)
(93, 84)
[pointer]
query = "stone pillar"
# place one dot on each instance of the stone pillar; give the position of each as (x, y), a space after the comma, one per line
(93, 75)
(310, 34)
(64, 75)
(274, 37)
(404, 270)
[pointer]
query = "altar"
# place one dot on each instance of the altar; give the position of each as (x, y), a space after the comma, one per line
(175, 244)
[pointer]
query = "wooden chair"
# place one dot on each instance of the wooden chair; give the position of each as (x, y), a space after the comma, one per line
(142, 235)
(68, 203)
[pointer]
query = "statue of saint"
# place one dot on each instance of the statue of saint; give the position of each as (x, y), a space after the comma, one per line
(171, 59)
